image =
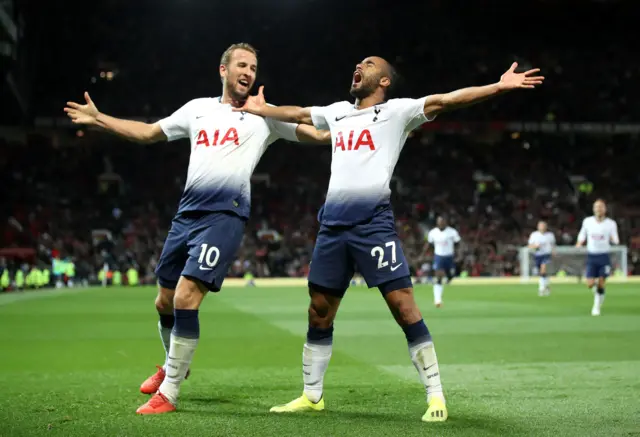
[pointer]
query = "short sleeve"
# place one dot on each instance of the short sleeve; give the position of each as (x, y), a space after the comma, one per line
(456, 237)
(176, 126)
(411, 112)
(614, 232)
(281, 129)
(430, 237)
(319, 117)
(531, 239)
(583, 231)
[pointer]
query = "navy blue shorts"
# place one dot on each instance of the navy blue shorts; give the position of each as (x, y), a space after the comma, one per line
(445, 263)
(200, 245)
(372, 247)
(542, 259)
(598, 265)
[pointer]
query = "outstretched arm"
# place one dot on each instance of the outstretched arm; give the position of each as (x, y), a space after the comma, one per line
(437, 103)
(311, 135)
(137, 131)
(291, 114)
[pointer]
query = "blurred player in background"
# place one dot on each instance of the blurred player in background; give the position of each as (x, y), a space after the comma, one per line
(357, 223)
(208, 228)
(444, 239)
(599, 232)
(543, 242)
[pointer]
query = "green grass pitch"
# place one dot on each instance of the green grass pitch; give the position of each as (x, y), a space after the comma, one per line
(512, 364)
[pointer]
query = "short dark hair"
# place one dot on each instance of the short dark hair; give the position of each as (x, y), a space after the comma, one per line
(226, 56)
(394, 78)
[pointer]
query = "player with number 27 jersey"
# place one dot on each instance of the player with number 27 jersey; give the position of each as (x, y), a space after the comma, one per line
(357, 227)
(357, 223)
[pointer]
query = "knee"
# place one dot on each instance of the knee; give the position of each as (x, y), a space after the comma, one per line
(403, 306)
(318, 310)
(322, 310)
(320, 315)
(189, 294)
(164, 301)
(407, 312)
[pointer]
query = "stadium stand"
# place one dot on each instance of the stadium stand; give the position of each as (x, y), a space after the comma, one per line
(492, 178)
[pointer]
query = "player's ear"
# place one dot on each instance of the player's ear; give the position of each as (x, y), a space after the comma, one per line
(223, 72)
(385, 81)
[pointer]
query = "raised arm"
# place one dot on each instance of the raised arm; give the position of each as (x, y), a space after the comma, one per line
(136, 131)
(437, 103)
(291, 114)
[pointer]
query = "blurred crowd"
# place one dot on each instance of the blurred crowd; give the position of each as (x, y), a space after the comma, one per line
(97, 200)
(147, 59)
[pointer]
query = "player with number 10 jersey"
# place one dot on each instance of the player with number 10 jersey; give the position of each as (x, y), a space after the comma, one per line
(207, 230)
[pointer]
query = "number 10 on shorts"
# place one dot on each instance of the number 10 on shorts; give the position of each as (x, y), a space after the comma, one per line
(209, 255)
(378, 251)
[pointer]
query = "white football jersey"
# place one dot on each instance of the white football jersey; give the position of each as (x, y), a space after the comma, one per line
(545, 241)
(443, 240)
(225, 149)
(599, 234)
(366, 146)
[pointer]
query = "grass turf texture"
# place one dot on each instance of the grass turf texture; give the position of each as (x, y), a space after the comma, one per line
(512, 364)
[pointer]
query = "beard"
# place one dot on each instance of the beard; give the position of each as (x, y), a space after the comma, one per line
(236, 95)
(366, 88)
(360, 93)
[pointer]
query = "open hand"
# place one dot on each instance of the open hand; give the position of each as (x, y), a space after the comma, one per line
(512, 80)
(82, 114)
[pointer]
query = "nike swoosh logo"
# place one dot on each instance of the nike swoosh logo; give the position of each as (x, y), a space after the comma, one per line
(427, 368)
(205, 268)
(199, 116)
(394, 268)
(340, 118)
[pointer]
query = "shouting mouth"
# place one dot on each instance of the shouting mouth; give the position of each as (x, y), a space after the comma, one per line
(244, 83)
(357, 77)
